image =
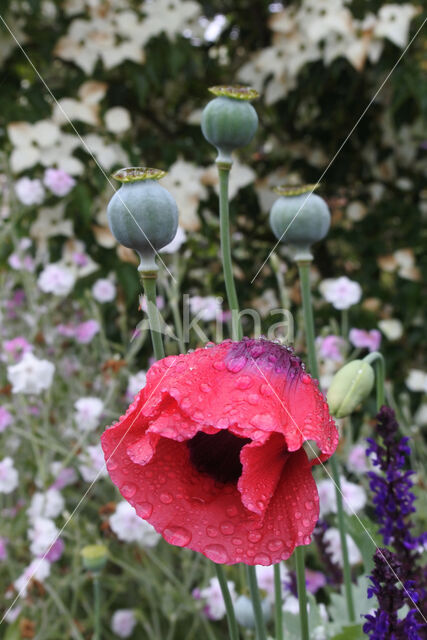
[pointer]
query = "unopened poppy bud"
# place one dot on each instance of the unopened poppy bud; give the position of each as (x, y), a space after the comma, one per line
(300, 218)
(230, 121)
(142, 215)
(94, 557)
(349, 387)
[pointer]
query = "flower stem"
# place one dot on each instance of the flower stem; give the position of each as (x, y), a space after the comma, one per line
(343, 538)
(256, 603)
(97, 607)
(378, 359)
(149, 285)
(344, 323)
(278, 613)
(304, 272)
(302, 593)
(224, 217)
(231, 618)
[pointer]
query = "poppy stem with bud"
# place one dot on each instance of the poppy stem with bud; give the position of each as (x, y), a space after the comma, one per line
(256, 603)
(149, 284)
(224, 215)
(304, 273)
(229, 608)
(377, 358)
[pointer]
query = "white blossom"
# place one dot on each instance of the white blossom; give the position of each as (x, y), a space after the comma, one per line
(30, 375)
(129, 527)
(9, 477)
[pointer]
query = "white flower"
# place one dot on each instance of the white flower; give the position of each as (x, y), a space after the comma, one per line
(212, 595)
(129, 527)
(39, 570)
(104, 290)
(291, 604)
(46, 505)
(88, 410)
(333, 542)
(357, 460)
(92, 465)
(9, 478)
(391, 328)
(353, 496)
(136, 383)
(265, 577)
(342, 292)
(176, 243)
(30, 375)
(29, 192)
(123, 622)
(56, 279)
(393, 22)
(417, 380)
(117, 120)
(206, 308)
(42, 535)
(184, 181)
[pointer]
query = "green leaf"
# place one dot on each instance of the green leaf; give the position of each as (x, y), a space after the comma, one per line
(351, 632)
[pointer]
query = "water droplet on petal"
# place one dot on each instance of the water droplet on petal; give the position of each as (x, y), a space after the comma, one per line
(216, 553)
(262, 558)
(306, 522)
(128, 490)
(254, 536)
(297, 515)
(244, 382)
(309, 505)
(144, 509)
(305, 378)
(231, 511)
(166, 498)
(219, 365)
(275, 545)
(212, 532)
(177, 536)
(205, 387)
(236, 364)
(227, 528)
(253, 398)
(237, 541)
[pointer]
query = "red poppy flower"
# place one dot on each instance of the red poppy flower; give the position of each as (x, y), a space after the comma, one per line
(210, 452)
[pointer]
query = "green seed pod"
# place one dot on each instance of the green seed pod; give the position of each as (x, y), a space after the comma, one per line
(300, 218)
(94, 557)
(349, 387)
(229, 121)
(142, 215)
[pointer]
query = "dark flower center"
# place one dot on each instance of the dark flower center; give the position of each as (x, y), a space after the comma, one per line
(218, 455)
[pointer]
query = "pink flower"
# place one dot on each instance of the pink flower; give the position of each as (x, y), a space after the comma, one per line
(55, 551)
(315, 580)
(58, 181)
(56, 279)
(3, 550)
(331, 347)
(29, 192)
(104, 290)
(357, 461)
(85, 331)
(65, 476)
(66, 330)
(123, 622)
(362, 339)
(5, 419)
(17, 347)
(342, 292)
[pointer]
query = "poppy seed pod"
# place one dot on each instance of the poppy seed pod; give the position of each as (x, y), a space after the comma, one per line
(229, 121)
(142, 215)
(349, 387)
(300, 218)
(94, 557)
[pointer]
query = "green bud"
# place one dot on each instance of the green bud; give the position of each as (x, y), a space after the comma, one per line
(349, 387)
(229, 121)
(142, 215)
(300, 218)
(94, 557)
